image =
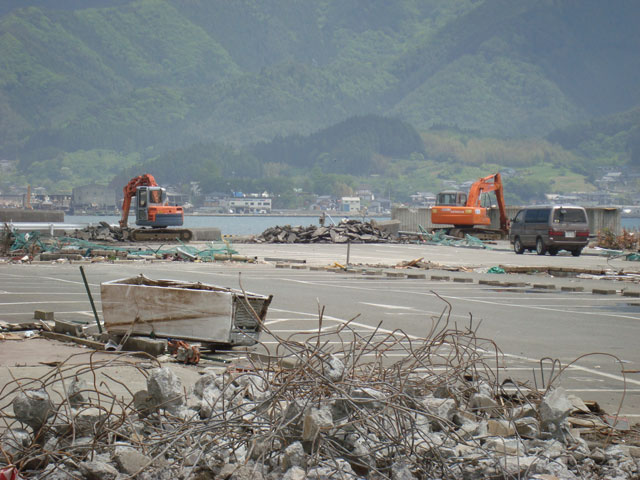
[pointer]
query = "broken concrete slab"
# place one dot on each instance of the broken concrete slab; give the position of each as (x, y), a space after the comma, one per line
(68, 328)
(440, 277)
(566, 288)
(462, 280)
(604, 291)
(43, 315)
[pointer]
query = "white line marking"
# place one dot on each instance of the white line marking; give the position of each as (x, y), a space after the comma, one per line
(590, 371)
(37, 303)
(393, 307)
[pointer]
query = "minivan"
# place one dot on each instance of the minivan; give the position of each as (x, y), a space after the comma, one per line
(544, 228)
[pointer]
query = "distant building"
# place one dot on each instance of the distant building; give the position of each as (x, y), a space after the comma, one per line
(8, 200)
(423, 199)
(365, 195)
(250, 205)
(93, 198)
(350, 204)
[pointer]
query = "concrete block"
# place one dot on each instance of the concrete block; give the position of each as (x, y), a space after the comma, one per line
(283, 265)
(631, 293)
(317, 269)
(572, 289)
(42, 315)
(499, 427)
(388, 226)
(439, 277)
(298, 267)
(144, 344)
(416, 276)
(516, 284)
(208, 234)
(372, 272)
(462, 280)
(544, 286)
(396, 274)
(604, 291)
(48, 256)
(68, 328)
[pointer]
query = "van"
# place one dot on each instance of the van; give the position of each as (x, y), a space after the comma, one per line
(544, 228)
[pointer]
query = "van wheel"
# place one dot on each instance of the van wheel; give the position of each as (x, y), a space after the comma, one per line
(517, 246)
(576, 252)
(540, 248)
(553, 251)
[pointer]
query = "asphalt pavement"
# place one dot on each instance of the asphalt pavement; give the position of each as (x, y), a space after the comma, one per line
(592, 334)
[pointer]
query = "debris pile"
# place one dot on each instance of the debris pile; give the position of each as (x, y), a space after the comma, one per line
(628, 240)
(100, 233)
(308, 410)
(346, 231)
(21, 247)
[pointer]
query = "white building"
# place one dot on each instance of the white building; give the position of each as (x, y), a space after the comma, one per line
(350, 204)
(250, 205)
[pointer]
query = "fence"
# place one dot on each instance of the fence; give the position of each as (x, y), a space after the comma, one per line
(411, 218)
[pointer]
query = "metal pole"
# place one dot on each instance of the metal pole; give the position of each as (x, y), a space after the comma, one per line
(348, 251)
(93, 307)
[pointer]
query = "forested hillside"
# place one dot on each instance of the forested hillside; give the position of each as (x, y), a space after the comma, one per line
(113, 84)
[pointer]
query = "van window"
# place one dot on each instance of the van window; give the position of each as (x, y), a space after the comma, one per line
(569, 215)
(519, 217)
(537, 215)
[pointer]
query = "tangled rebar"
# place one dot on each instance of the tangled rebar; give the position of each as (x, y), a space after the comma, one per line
(334, 403)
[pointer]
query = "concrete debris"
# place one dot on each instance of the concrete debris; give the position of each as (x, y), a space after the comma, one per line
(33, 408)
(352, 231)
(165, 389)
(329, 415)
(100, 233)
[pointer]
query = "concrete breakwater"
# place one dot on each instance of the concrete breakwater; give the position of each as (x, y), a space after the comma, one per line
(26, 215)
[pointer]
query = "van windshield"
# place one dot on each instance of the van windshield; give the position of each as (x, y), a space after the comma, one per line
(569, 215)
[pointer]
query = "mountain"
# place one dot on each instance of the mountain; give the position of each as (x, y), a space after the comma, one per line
(145, 77)
(610, 140)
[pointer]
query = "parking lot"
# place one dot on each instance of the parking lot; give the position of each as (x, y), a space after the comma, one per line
(526, 321)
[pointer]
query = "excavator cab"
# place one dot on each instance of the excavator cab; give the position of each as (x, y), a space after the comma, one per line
(152, 209)
(451, 198)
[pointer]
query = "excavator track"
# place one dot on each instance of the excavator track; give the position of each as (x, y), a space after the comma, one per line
(161, 234)
(480, 233)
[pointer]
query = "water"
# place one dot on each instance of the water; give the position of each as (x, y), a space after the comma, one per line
(630, 223)
(228, 225)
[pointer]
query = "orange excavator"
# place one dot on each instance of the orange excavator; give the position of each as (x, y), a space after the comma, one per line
(467, 212)
(152, 210)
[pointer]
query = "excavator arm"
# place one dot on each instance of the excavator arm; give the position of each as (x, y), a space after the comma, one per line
(491, 183)
(129, 191)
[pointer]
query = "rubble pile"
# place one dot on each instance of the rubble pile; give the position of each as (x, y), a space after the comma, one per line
(306, 411)
(349, 230)
(100, 233)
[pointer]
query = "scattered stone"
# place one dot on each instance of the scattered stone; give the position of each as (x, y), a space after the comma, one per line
(501, 427)
(294, 456)
(129, 460)
(95, 470)
(33, 408)
(315, 421)
(165, 388)
(77, 392)
(294, 473)
(554, 409)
